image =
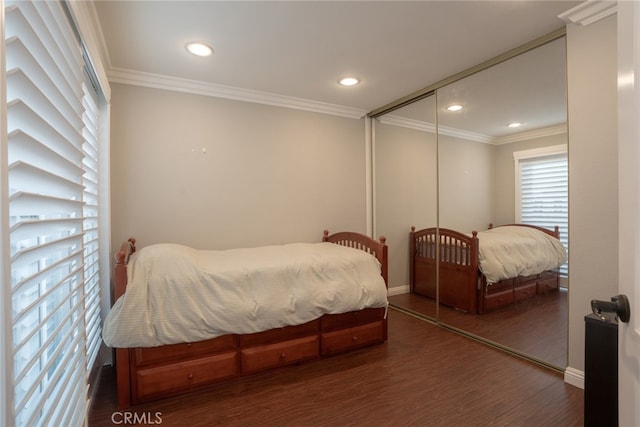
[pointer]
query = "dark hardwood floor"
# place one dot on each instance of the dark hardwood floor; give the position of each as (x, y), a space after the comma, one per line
(422, 376)
(542, 318)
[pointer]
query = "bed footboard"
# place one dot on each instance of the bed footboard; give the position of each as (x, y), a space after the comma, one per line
(364, 243)
(453, 264)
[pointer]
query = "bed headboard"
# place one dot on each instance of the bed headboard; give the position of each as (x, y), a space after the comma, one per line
(377, 248)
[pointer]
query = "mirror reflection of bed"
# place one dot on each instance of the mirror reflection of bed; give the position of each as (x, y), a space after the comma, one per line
(478, 165)
(495, 284)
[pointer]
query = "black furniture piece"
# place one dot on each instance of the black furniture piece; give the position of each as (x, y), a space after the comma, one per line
(601, 371)
(601, 360)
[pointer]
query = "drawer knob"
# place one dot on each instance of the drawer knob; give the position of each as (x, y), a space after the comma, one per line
(190, 376)
(283, 356)
(354, 338)
(189, 345)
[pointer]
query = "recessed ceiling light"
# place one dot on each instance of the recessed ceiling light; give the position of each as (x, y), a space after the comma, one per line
(454, 107)
(199, 49)
(514, 125)
(348, 81)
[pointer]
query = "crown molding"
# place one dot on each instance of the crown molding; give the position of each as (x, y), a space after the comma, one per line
(532, 134)
(429, 127)
(390, 119)
(157, 81)
(423, 126)
(465, 134)
(589, 12)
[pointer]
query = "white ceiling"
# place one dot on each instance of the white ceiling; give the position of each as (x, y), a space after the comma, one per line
(299, 49)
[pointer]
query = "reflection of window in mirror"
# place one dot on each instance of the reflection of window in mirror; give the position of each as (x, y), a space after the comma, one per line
(542, 192)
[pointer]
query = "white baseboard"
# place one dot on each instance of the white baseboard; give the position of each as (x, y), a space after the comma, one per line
(574, 377)
(398, 290)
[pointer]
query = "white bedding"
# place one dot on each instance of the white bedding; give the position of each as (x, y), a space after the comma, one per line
(179, 294)
(511, 251)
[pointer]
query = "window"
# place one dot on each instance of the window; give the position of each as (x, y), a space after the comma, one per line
(542, 195)
(91, 212)
(53, 226)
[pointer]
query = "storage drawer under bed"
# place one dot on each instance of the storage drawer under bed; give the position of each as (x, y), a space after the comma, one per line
(548, 281)
(145, 356)
(525, 291)
(332, 322)
(497, 300)
(169, 379)
(263, 357)
(351, 338)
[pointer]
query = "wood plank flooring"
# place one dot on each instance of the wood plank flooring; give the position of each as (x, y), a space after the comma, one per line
(422, 376)
(537, 326)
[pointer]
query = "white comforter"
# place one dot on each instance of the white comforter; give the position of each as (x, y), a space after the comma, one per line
(511, 251)
(180, 294)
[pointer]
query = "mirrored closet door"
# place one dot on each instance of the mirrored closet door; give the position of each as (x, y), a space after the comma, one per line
(508, 110)
(487, 121)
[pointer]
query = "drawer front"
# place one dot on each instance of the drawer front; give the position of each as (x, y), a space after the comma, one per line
(281, 334)
(500, 299)
(169, 379)
(500, 287)
(331, 322)
(548, 284)
(524, 292)
(269, 356)
(550, 274)
(145, 356)
(347, 339)
(522, 280)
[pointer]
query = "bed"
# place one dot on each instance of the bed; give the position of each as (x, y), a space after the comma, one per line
(471, 279)
(157, 367)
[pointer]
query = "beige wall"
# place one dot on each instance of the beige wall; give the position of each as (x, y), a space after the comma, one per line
(593, 171)
(269, 175)
(466, 184)
(405, 191)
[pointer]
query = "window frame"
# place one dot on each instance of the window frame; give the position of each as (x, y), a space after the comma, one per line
(6, 344)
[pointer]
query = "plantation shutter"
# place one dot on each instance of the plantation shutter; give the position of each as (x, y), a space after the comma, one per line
(53, 208)
(544, 193)
(91, 165)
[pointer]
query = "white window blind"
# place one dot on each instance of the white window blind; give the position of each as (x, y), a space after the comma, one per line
(91, 166)
(542, 190)
(53, 208)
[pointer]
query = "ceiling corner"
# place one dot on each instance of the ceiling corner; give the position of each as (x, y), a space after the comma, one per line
(589, 12)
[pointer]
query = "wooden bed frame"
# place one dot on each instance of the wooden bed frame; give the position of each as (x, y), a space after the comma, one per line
(150, 373)
(462, 285)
